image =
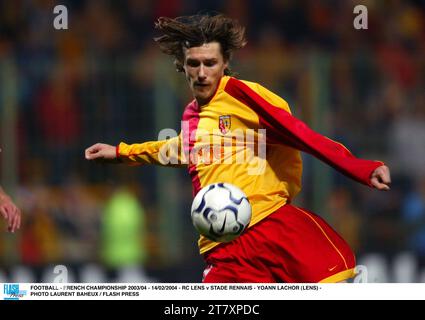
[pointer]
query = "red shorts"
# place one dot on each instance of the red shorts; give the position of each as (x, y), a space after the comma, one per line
(290, 245)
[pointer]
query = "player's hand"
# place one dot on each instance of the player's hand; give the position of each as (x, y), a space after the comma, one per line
(10, 213)
(381, 179)
(101, 152)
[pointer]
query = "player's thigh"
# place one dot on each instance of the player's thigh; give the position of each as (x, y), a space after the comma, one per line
(237, 261)
(309, 249)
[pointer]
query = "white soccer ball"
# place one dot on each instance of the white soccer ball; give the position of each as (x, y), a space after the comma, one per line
(221, 212)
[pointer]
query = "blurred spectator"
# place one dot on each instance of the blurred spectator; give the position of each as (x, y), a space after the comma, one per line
(123, 232)
(407, 138)
(59, 118)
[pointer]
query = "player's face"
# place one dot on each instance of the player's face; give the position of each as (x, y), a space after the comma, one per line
(204, 66)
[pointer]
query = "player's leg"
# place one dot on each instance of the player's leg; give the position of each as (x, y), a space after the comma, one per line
(309, 249)
(240, 260)
(290, 245)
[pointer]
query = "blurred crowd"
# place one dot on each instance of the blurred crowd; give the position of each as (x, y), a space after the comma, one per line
(96, 82)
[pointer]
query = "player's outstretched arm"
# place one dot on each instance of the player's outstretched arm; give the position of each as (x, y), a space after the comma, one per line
(103, 153)
(381, 178)
(10, 212)
(283, 127)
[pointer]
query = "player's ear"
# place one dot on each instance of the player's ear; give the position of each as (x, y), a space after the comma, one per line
(226, 66)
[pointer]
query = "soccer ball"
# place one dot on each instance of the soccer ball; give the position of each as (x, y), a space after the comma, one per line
(220, 212)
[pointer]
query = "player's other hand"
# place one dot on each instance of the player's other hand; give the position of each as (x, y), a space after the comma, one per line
(10, 213)
(101, 152)
(381, 179)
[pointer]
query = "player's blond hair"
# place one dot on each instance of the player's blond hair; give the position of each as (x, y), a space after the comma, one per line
(193, 31)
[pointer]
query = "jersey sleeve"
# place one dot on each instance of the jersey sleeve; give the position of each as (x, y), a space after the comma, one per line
(162, 152)
(282, 127)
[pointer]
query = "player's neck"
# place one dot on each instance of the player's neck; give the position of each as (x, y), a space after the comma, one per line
(204, 101)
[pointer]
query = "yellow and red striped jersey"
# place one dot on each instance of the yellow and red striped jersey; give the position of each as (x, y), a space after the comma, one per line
(245, 135)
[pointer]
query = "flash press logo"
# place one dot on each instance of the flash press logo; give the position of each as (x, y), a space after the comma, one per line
(12, 292)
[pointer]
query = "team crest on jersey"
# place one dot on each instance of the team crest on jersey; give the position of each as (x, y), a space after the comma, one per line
(224, 124)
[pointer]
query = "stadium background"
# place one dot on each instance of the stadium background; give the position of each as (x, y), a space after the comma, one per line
(104, 80)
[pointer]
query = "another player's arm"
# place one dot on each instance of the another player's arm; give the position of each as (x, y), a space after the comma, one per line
(281, 126)
(9, 211)
(163, 152)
